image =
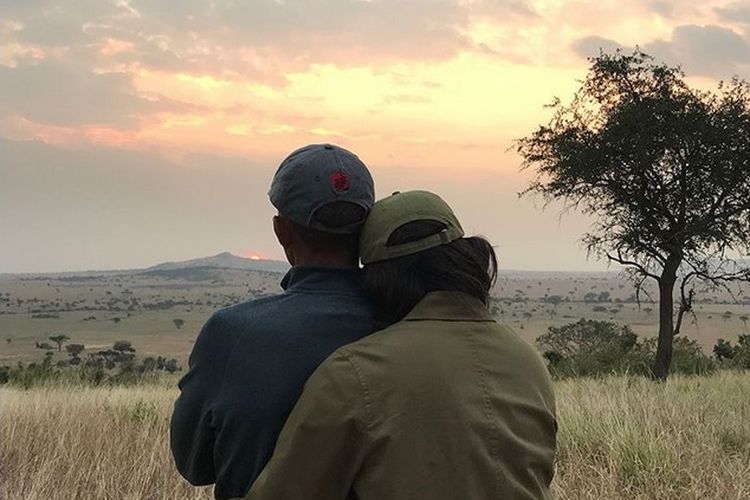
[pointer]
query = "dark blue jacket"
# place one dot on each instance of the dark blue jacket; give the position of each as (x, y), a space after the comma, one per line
(248, 367)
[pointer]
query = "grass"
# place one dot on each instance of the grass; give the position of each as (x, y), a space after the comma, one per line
(620, 438)
(89, 443)
(629, 438)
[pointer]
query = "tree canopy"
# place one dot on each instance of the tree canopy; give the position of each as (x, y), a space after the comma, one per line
(665, 171)
(59, 339)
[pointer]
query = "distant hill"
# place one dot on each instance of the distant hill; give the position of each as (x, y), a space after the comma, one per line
(224, 260)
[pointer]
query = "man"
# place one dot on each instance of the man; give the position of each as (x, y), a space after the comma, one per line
(250, 361)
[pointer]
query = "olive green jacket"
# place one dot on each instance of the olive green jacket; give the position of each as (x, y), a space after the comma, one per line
(446, 404)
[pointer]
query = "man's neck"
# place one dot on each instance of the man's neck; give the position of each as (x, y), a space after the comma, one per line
(325, 260)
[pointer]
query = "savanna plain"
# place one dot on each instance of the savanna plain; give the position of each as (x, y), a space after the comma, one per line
(620, 436)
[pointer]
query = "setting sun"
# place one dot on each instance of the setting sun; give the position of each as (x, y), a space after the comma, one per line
(252, 255)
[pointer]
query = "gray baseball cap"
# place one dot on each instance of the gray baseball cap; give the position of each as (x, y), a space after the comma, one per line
(318, 174)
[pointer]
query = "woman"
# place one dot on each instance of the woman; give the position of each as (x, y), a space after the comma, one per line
(443, 404)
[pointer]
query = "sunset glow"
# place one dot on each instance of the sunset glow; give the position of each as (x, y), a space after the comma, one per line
(432, 97)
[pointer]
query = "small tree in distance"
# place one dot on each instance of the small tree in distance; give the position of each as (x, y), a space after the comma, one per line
(59, 340)
(665, 170)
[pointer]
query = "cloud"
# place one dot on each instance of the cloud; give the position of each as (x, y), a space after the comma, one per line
(705, 50)
(406, 99)
(51, 23)
(63, 93)
(590, 46)
(712, 51)
(670, 9)
(262, 37)
(265, 38)
(738, 12)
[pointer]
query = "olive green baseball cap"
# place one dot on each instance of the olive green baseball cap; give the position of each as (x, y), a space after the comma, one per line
(393, 212)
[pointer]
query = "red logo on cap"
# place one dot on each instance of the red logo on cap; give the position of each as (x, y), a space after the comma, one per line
(340, 181)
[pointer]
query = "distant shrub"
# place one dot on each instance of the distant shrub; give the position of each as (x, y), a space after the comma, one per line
(734, 356)
(588, 348)
(123, 346)
(74, 350)
(688, 357)
(597, 348)
(723, 350)
(141, 412)
(94, 371)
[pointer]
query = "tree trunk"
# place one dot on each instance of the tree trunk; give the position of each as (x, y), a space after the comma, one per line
(663, 359)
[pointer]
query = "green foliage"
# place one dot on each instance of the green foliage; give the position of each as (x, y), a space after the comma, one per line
(585, 337)
(723, 350)
(597, 348)
(27, 376)
(555, 300)
(688, 357)
(142, 412)
(111, 367)
(74, 349)
(59, 339)
(664, 169)
(123, 346)
(588, 347)
(734, 356)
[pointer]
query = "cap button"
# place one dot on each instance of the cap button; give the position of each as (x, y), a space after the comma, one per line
(328, 146)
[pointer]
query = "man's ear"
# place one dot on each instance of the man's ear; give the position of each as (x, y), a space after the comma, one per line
(283, 230)
(285, 234)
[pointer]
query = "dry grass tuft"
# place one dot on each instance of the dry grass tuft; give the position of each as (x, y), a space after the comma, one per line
(620, 438)
(89, 443)
(629, 438)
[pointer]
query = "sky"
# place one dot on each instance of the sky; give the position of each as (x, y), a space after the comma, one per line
(139, 131)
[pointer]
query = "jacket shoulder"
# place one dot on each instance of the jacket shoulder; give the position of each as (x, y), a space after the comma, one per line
(245, 310)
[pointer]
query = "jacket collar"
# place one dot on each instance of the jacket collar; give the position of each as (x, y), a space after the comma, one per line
(328, 279)
(449, 306)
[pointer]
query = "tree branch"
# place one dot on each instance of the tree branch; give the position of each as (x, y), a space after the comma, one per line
(625, 262)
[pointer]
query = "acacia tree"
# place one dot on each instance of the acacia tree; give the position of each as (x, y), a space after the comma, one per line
(59, 339)
(663, 168)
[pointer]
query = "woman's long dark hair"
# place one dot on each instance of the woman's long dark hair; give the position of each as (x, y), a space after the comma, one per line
(466, 265)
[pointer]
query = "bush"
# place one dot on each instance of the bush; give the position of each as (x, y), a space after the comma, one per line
(123, 346)
(734, 356)
(95, 371)
(723, 350)
(590, 348)
(587, 337)
(597, 348)
(688, 357)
